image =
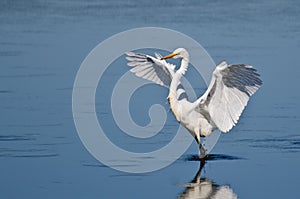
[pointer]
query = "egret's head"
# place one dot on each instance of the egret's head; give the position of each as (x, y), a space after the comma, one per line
(178, 53)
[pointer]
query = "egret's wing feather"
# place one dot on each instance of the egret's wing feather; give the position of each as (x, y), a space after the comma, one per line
(228, 93)
(157, 55)
(151, 68)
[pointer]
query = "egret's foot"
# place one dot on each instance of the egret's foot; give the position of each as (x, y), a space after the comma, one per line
(202, 156)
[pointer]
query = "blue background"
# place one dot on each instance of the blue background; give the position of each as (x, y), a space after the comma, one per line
(42, 44)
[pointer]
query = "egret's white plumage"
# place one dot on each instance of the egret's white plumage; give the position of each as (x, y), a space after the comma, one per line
(220, 107)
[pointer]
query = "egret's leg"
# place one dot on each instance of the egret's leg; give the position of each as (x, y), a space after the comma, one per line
(202, 151)
(201, 148)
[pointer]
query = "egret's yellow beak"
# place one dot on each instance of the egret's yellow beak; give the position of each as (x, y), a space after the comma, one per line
(169, 56)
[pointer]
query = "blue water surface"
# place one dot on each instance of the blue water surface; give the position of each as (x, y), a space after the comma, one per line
(43, 43)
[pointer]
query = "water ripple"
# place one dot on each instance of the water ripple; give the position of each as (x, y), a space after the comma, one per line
(15, 138)
(286, 143)
(211, 157)
(26, 153)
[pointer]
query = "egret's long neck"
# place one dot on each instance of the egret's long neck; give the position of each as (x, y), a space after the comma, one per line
(183, 66)
(173, 98)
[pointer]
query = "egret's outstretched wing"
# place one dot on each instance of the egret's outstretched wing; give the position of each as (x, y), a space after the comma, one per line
(228, 93)
(150, 68)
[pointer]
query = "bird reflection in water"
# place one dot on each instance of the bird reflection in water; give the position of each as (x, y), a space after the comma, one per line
(201, 188)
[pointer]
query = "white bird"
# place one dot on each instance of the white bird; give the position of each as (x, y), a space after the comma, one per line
(220, 107)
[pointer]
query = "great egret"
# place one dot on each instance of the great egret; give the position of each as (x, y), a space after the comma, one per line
(219, 107)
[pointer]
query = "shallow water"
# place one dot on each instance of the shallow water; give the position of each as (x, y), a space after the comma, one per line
(41, 48)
